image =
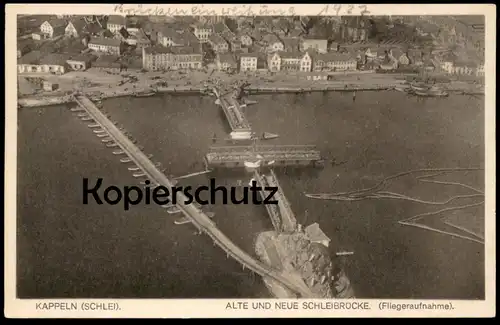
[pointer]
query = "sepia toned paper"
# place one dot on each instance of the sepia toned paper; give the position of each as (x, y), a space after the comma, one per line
(373, 125)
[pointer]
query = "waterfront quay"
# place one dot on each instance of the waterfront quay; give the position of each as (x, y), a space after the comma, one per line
(276, 155)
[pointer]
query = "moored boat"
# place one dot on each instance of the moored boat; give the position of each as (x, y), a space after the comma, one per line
(435, 93)
(268, 136)
(145, 93)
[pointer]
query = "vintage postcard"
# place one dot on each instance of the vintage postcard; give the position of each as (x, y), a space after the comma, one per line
(250, 160)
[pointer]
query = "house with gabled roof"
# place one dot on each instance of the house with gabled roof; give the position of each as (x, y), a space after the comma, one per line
(218, 43)
(226, 62)
(116, 22)
(75, 27)
(53, 28)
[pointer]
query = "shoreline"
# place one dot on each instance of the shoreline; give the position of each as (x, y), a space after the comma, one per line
(35, 101)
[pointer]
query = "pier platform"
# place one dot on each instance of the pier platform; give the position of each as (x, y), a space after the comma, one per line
(275, 155)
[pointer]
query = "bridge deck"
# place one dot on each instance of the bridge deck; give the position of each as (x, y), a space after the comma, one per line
(198, 217)
(234, 114)
(235, 156)
(281, 215)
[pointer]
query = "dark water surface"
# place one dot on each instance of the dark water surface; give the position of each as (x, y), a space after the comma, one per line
(67, 249)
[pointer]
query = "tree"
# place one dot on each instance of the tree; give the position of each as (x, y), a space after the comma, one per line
(231, 24)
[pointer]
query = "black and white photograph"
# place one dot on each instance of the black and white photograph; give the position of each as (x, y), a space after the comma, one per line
(250, 157)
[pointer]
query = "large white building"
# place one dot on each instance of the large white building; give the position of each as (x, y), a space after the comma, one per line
(248, 62)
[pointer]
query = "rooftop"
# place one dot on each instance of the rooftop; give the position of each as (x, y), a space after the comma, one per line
(227, 58)
(54, 59)
(217, 39)
(32, 57)
(314, 233)
(56, 22)
(250, 55)
(79, 23)
(332, 56)
(105, 41)
(117, 20)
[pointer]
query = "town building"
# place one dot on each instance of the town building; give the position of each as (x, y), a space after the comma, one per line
(49, 86)
(115, 23)
(291, 44)
(132, 27)
(463, 68)
(248, 62)
(480, 69)
(40, 63)
(273, 43)
(53, 28)
(122, 35)
(218, 43)
(105, 45)
(318, 44)
(211, 19)
(295, 61)
(168, 36)
(75, 27)
(139, 39)
(246, 40)
(171, 58)
(202, 32)
(388, 64)
(226, 62)
(399, 56)
(447, 62)
(334, 62)
(274, 62)
(80, 62)
(30, 62)
(109, 63)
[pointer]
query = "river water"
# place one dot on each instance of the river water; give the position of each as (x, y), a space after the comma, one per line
(67, 249)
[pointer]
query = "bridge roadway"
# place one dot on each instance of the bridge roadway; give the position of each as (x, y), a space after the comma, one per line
(277, 153)
(282, 216)
(197, 217)
(237, 120)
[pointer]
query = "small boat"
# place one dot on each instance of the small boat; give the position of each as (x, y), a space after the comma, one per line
(431, 93)
(344, 253)
(145, 93)
(249, 102)
(184, 220)
(269, 136)
(217, 101)
(420, 86)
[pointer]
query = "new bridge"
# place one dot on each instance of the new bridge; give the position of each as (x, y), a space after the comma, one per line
(281, 215)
